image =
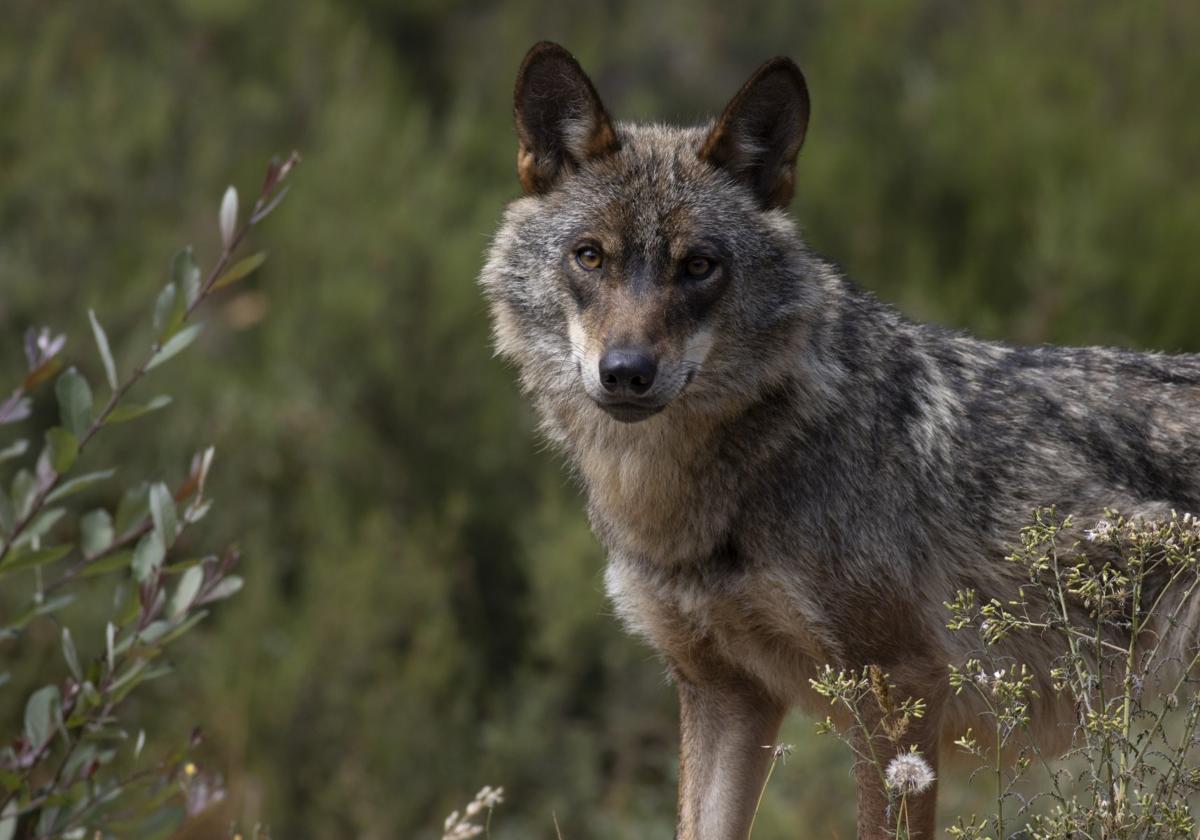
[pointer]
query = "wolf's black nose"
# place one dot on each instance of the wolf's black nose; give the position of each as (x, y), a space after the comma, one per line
(624, 371)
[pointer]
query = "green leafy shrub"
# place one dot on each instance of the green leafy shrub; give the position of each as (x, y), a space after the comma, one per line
(75, 769)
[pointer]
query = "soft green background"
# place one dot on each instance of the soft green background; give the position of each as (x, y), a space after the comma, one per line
(424, 611)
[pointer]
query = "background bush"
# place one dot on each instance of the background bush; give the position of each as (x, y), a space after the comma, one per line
(423, 610)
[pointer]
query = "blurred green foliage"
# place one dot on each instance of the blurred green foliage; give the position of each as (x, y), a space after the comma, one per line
(424, 611)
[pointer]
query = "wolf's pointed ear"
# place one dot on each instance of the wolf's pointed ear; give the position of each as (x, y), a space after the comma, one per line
(560, 119)
(760, 133)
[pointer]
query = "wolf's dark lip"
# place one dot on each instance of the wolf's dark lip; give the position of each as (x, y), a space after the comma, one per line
(627, 412)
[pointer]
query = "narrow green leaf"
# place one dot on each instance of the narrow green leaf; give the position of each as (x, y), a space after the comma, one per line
(175, 345)
(80, 759)
(227, 587)
(27, 558)
(110, 635)
(61, 448)
(7, 513)
(195, 513)
(148, 556)
(185, 592)
(240, 269)
(168, 312)
(95, 532)
(270, 206)
(186, 275)
(183, 565)
(71, 655)
(74, 401)
(8, 819)
(133, 508)
(14, 450)
(53, 604)
(24, 485)
(46, 370)
(154, 631)
(114, 561)
(45, 608)
(227, 218)
(129, 676)
(129, 610)
(79, 484)
(124, 413)
(37, 529)
(106, 357)
(182, 628)
(40, 714)
(162, 511)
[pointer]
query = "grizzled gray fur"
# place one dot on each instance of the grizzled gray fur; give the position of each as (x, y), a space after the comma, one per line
(785, 471)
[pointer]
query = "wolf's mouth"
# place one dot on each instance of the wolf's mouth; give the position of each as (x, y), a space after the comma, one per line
(628, 412)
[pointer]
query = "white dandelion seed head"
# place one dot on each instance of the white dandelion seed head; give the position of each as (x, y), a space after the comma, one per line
(909, 773)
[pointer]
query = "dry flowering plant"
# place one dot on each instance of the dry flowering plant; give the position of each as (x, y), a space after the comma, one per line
(1118, 601)
(1119, 597)
(463, 825)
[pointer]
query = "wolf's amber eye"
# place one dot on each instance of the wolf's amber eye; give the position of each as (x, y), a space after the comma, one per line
(697, 268)
(589, 257)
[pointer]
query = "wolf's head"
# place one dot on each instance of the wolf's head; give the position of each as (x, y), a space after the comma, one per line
(647, 267)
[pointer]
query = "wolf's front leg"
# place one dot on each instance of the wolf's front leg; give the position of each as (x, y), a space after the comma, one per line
(724, 726)
(880, 817)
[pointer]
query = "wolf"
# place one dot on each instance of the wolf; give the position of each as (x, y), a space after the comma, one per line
(785, 471)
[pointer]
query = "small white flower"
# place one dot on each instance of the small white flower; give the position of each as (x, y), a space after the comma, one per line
(1103, 528)
(909, 773)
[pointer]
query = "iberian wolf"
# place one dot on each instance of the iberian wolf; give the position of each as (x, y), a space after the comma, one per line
(785, 471)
